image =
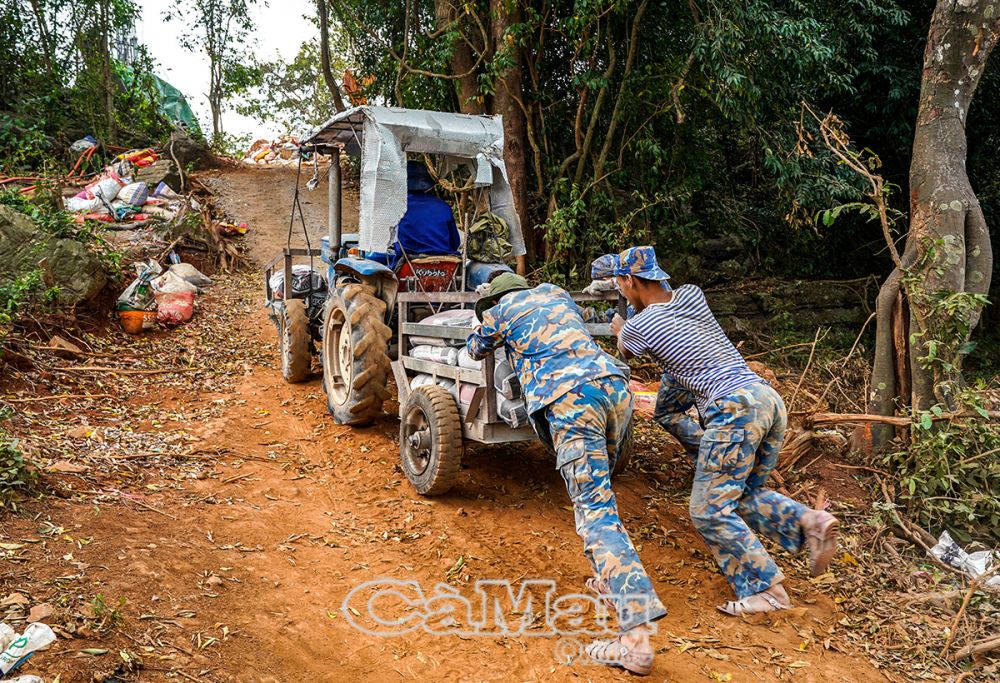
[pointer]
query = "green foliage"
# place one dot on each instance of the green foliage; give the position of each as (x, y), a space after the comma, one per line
(949, 475)
(66, 70)
(295, 92)
(107, 617)
(15, 473)
(221, 29)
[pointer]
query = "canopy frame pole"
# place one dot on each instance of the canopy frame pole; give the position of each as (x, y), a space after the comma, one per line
(334, 205)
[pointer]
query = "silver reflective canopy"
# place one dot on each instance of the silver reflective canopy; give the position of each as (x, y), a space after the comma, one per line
(383, 135)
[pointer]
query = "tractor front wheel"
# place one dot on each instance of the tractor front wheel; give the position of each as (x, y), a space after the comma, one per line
(296, 342)
(355, 355)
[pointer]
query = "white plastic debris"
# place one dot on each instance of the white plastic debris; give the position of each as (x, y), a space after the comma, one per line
(35, 637)
(974, 564)
(7, 636)
(24, 679)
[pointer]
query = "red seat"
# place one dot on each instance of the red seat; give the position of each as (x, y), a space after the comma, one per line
(428, 274)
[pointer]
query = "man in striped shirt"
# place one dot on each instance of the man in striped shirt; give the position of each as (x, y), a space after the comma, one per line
(744, 421)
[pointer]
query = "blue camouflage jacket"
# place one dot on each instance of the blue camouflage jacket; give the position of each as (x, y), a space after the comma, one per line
(547, 343)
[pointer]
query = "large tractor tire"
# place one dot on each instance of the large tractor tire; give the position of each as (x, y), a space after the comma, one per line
(355, 355)
(295, 341)
(430, 440)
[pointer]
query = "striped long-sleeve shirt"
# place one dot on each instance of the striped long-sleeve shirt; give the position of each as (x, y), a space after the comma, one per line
(687, 341)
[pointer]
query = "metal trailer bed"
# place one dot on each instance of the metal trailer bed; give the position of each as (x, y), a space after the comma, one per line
(431, 442)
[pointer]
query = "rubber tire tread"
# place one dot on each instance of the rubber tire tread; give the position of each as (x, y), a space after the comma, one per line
(295, 342)
(439, 406)
(364, 313)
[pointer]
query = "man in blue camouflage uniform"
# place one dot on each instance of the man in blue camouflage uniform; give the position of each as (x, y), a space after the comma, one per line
(579, 401)
(744, 422)
(674, 403)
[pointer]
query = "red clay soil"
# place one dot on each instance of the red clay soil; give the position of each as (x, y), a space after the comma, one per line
(234, 562)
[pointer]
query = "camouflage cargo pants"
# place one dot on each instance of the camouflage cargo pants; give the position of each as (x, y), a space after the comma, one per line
(673, 405)
(588, 427)
(729, 501)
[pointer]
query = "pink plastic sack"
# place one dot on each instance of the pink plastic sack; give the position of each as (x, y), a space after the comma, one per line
(174, 308)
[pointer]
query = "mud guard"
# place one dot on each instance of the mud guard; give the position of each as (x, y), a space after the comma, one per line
(381, 277)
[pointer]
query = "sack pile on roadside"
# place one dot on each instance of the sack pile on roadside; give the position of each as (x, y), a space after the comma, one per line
(113, 196)
(158, 296)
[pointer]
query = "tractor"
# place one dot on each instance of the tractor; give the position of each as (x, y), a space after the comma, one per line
(348, 310)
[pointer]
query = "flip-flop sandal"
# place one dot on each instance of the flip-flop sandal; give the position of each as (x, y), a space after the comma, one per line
(739, 608)
(821, 539)
(600, 588)
(614, 653)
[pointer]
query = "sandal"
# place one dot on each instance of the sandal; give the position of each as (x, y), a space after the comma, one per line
(614, 653)
(739, 608)
(821, 539)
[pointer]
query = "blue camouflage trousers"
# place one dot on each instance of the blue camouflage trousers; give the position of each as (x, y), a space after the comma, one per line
(588, 426)
(729, 501)
(672, 412)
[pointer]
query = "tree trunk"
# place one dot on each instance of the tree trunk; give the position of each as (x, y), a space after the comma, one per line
(948, 244)
(509, 89)
(323, 15)
(470, 99)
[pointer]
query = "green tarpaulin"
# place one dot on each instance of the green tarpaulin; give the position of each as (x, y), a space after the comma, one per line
(174, 105)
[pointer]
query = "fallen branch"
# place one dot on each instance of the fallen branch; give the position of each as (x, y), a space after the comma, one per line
(978, 648)
(812, 353)
(119, 371)
(826, 419)
(973, 587)
(55, 397)
(916, 534)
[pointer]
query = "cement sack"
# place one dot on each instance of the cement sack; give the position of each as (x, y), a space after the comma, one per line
(191, 274)
(436, 354)
(465, 361)
(512, 411)
(506, 381)
(172, 283)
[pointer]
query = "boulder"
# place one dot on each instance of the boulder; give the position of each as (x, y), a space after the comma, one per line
(66, 264)
(162, 170)
(78, 273)
(191, 154)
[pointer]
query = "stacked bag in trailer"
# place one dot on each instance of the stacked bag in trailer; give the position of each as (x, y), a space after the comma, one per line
(509, 400)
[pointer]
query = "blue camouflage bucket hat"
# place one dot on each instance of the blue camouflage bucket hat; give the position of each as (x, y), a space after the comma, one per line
(604, 267)
(640, 262)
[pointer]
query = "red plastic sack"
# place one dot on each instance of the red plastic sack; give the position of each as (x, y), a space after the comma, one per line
(174, 308)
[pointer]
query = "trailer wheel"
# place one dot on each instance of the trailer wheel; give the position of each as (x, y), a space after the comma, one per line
(295, 341)
(355, 355)
(430, 440)
(625, 455)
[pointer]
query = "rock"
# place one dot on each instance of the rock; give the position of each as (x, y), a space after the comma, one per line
(40, 612)
(163, 170)
(17, 233)
(213, 582)
(79, 274)
(66, 263)
(63, 348)
(191, 154)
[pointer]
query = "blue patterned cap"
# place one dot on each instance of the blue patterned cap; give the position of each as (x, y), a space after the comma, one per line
(640, 262)
(604, 267)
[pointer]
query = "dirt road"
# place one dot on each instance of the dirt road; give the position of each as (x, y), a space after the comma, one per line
(223, 518)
